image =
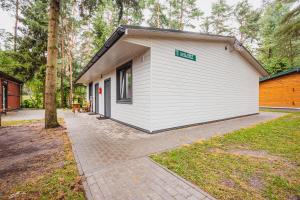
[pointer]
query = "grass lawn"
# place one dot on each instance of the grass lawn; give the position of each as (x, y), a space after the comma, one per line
(20, 122)
(260, 162)
(47, 168)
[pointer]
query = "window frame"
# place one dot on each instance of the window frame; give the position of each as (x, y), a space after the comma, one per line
(124, 67)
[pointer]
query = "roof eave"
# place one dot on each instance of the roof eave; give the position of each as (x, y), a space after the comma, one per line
(11, 78)
(209, 37)
(119, 32)
(281, 74)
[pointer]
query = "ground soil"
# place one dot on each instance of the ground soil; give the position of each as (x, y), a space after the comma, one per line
(28, 151)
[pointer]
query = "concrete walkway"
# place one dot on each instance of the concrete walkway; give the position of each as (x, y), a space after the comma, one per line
(26, 114)
(113, 157)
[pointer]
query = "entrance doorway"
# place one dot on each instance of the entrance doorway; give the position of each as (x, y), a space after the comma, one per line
(4, 96)
(107, 98)
(96, 98)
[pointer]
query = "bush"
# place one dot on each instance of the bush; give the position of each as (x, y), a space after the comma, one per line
(28, 103)
(32, 103)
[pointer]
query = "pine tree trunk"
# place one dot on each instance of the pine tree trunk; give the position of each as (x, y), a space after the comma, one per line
(291, 53)
(16, 25)
(170, 16)
(71, 79)
(181, 15)
(158, 16)
(44, 91)
(62, 71)
(50, 94)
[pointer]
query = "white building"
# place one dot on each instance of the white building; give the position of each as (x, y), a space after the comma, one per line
(157, 79)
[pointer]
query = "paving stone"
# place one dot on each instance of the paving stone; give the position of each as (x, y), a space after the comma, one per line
(182, 191)
(196, 193)
(96, 192)
(114, 159)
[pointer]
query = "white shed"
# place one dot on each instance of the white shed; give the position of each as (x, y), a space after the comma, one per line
(158, 79)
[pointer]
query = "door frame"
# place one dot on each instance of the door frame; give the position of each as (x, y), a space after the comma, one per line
(4, 95)
(96, 97)
(90, 95)
(105, 93)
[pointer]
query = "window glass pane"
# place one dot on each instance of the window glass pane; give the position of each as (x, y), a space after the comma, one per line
(121, 84)
(128, 83)
(124, 82)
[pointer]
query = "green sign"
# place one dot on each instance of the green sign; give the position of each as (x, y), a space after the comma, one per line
(185, 55)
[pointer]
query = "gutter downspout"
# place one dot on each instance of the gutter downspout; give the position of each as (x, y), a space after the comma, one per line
(251, 59)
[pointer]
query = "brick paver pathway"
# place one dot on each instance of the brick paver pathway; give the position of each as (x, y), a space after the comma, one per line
(113, 157)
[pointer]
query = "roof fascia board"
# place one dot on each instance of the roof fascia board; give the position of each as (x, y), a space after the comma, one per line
(281, 74)
(10, 78)
(177, 35)
(167, 33)
(161, 33)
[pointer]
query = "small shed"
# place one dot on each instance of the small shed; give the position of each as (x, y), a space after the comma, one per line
(281, 90)
(10, 93)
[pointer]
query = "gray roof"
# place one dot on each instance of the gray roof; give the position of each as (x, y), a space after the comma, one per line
(8, 77)
(120, 31)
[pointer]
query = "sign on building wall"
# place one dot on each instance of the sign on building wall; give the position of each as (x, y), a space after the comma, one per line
(185, 55)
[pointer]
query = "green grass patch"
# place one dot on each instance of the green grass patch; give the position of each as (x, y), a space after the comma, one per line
(20, 122)
(261, 162)
(276, 110)
(26, 122)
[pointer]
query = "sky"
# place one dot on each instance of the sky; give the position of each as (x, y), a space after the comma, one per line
(7, 20)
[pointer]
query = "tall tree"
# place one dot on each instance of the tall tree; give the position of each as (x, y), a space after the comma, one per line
(158, 18)
(277, 51)
(205, 25)
(15, 6)
(133, 15)
(54, 13)
(86, 44)
(288, 33)
(220, 14)
(247, 19)
(104, 23)
(32, 42)
(183, 14)
(50, 93)
(106, 18)
(62, 67)
(16, 24)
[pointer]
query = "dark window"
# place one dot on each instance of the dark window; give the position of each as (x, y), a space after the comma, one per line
(124, 83)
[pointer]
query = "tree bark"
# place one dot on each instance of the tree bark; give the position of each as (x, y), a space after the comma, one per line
(72, 45)
(71, 78)
(44, 91)
(50, 94)
(16, 25)
(170, 15)
(291, 53)
(181, 15)
(158, 16)
(62, 71)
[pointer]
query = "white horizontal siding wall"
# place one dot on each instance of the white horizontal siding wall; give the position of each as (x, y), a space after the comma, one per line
(137, 113)
(219, 85)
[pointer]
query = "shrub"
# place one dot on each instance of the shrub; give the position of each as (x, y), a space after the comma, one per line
(28, 103)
